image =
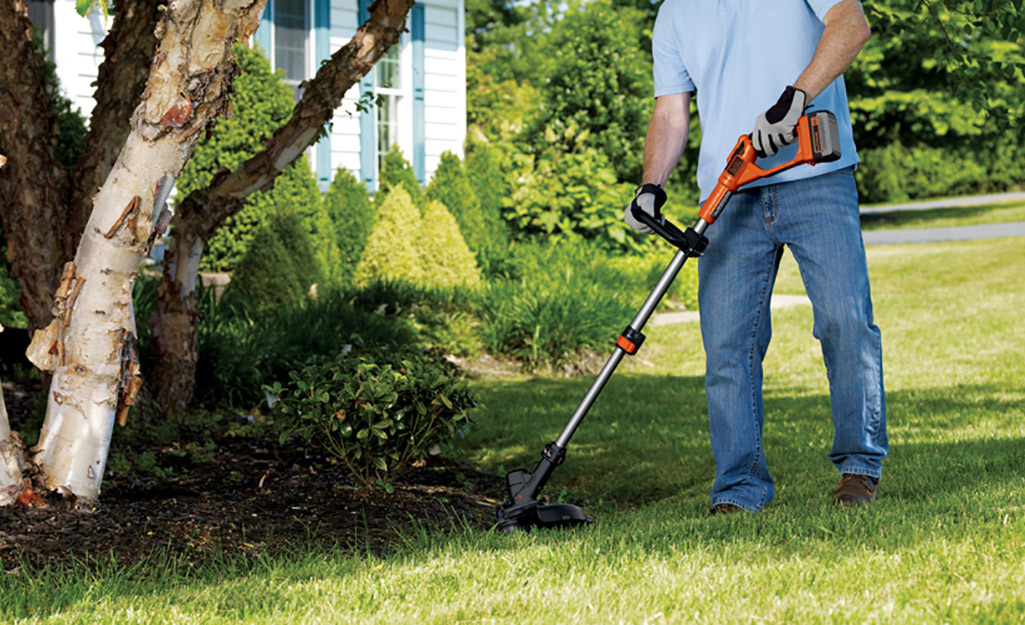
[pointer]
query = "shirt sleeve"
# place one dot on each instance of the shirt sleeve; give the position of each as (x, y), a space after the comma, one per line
(670, 75)
(821, 7)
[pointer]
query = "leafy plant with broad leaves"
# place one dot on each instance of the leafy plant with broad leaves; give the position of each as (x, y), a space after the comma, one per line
(375, 411)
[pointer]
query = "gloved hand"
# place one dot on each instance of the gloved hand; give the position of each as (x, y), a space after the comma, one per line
(776, 127)
(648, 198)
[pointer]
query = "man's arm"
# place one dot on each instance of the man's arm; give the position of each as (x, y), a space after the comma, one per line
(663, 146)
(845, 34)
(666, 138)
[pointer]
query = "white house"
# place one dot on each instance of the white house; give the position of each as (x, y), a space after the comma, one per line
(419, 87)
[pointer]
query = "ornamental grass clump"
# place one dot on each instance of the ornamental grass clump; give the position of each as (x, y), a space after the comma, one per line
(376, 412)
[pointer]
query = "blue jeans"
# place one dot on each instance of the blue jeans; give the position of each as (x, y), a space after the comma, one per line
(818, 218)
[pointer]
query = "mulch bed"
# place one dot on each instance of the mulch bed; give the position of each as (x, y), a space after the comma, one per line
(248, 497)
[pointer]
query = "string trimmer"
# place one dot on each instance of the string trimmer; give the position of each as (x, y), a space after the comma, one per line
(817, 142)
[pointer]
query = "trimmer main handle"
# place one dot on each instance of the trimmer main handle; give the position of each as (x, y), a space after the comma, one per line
(818, 141)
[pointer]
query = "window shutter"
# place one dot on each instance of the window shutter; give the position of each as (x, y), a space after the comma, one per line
(367, 139)
(266, 25)
(417, 29)
(322, 43)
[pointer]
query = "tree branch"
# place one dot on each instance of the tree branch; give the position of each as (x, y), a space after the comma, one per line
(203, 211)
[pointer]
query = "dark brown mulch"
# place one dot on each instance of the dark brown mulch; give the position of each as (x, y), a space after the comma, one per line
(248, 497)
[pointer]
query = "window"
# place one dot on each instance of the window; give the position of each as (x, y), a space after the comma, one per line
(40, 12)
(389, 92)
(291, 33)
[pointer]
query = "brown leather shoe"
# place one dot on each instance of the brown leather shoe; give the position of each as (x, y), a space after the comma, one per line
(724, 509)
(855, 489)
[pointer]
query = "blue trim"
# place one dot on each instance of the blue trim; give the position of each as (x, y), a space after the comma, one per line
(322, 47)
(266, 25)
(367, 125)
(417, 29)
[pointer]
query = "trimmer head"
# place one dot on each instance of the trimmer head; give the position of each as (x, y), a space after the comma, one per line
(522, 511)
(523, 518)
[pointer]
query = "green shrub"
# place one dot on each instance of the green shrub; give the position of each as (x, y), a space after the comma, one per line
(442, 318)
(598, 82)
(241, 349)
(396, 171)
(391, 252)
(348, 205)
(261, 103)
(377, 411)
(566, 297)
(566, 193)
(278, 267)
(895, 173)
(444, 257)
(488, 182)
(483, 230)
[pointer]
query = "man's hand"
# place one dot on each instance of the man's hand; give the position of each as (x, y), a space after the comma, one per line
(776, 127)
(648, 198)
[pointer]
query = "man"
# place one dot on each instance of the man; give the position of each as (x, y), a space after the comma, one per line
(737, 55)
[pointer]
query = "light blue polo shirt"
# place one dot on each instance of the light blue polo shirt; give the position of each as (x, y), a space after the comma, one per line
(738, 56)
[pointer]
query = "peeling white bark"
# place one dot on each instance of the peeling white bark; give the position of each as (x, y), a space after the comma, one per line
(10, 457)
(89, 344)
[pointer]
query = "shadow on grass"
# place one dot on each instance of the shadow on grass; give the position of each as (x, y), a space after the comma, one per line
(956, 453)
(646, 438)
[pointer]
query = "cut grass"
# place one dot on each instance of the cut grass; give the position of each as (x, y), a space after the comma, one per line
(945, 542)
(944, 217)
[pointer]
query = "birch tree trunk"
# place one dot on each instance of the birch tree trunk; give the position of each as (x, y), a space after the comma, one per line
(200, 214)
(11, 456)
(89, 345)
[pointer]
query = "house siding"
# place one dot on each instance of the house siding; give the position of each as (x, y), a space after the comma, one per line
(78, 56)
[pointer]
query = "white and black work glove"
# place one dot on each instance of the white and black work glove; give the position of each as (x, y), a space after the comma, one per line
(648, 198)
(776, 127)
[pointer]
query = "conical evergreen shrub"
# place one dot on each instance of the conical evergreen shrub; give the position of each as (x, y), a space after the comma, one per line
(444, 256)
(352, 215)
(278, 268)
(392, 252)
(397, 171)
(486, 180)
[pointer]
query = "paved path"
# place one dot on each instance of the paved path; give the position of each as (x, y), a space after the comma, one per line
(972, 200)
(933, 235)
(885, 237)
(778, 301)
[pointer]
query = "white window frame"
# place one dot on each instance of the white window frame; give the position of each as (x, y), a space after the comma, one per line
(403, 106)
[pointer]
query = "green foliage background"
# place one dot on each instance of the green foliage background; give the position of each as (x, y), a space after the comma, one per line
(260, 104)
(352, 216)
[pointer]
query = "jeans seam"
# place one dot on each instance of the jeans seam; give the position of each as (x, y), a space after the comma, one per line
(750, 371)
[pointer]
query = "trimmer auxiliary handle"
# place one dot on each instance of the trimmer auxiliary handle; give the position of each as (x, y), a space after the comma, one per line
(817, 142)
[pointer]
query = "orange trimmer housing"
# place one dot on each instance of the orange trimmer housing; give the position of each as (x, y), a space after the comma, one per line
(818, 141)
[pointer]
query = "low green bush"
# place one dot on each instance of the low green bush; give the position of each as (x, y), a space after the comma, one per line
(443, 319)
(894, 173)
(241, 349)
(565, 297)
(375, 411)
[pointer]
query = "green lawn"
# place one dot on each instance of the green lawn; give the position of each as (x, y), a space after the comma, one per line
(944, 217)
(944, 544)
